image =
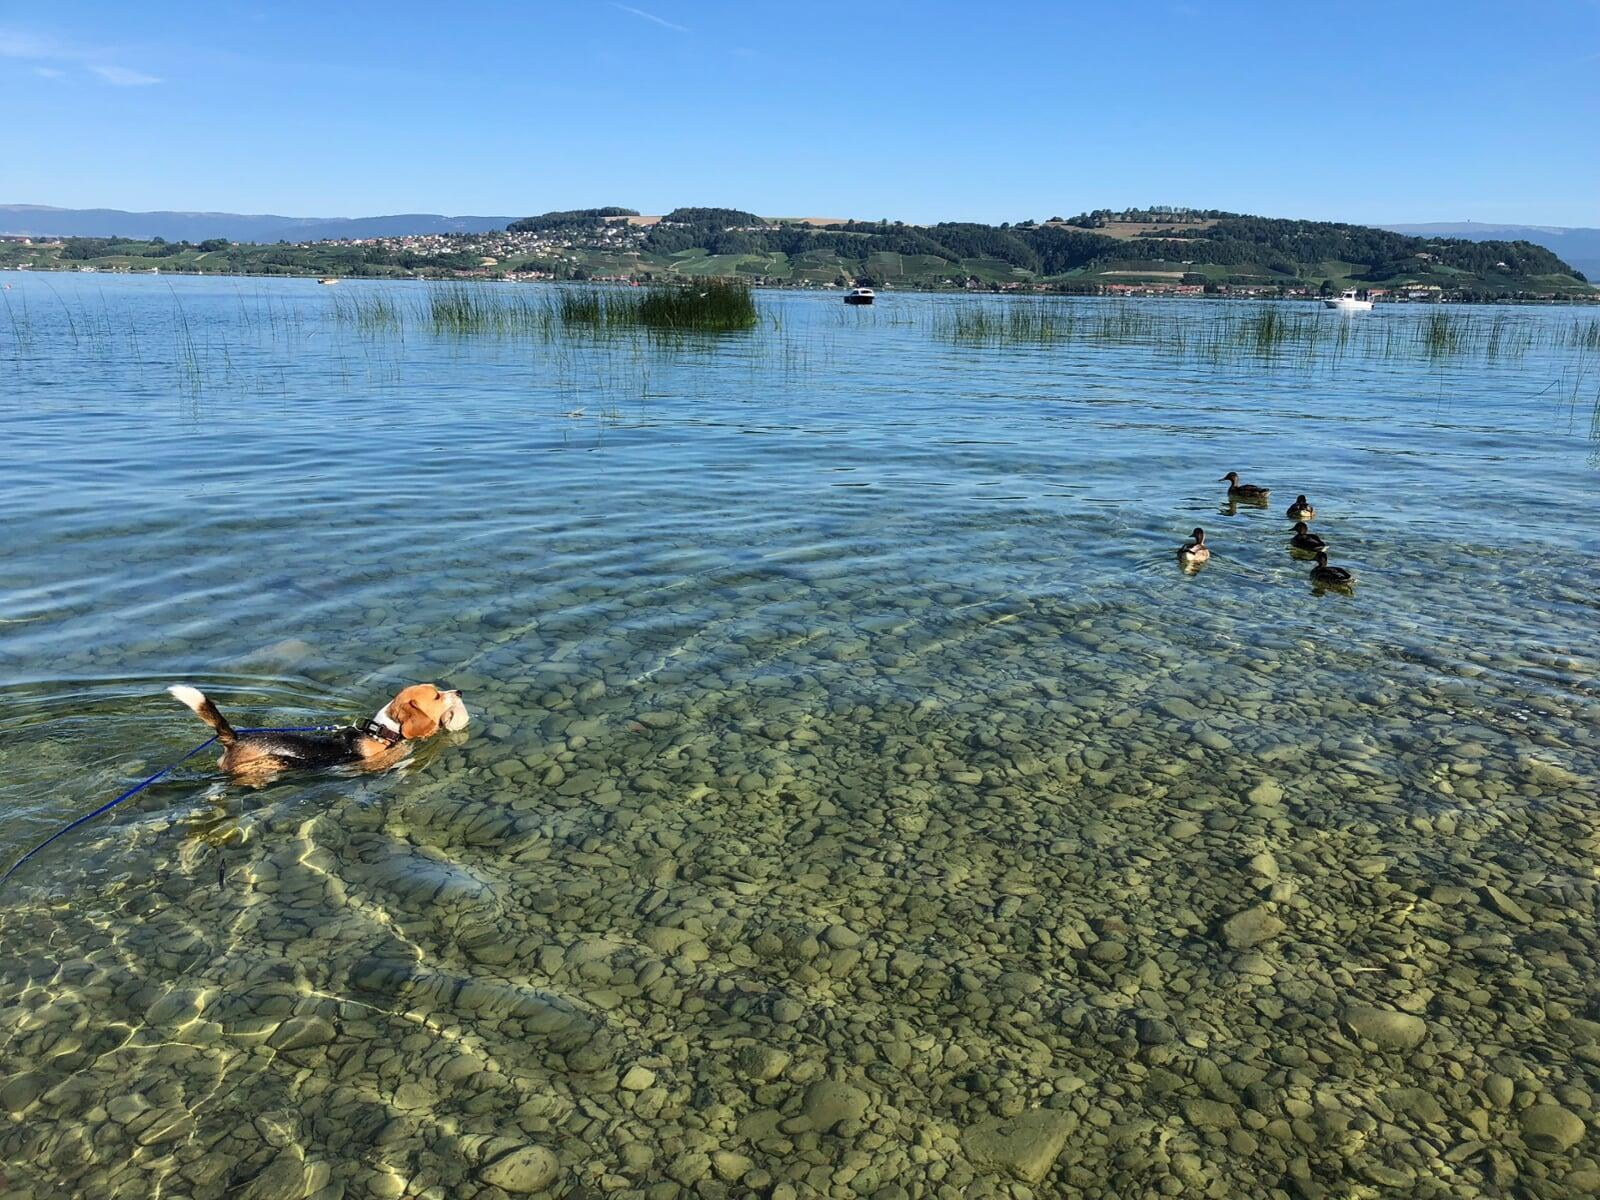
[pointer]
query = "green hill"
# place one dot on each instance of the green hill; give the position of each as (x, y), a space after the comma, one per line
(1194, 247)
(1156, 248)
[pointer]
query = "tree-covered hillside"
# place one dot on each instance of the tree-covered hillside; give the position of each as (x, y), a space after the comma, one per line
(1155, 249)
(572, 218)
(1261, 246)
(1234, 240)
(1105, 246)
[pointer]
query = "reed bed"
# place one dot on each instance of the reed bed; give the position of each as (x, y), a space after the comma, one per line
(710, 306)
(370, 311)
(1030, 323)
(474, 309)
(1582, 335)
(1267, 332)
(715, 306)
(465, 309)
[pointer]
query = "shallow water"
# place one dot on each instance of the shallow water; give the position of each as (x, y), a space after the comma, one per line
(859, 799)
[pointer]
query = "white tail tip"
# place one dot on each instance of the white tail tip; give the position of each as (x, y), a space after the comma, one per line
(192, 697)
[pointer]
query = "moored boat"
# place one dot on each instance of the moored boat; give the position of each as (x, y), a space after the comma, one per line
(859, 295)
(1348, 301)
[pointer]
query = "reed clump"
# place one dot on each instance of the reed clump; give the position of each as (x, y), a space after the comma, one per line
(1582, 335)
(712, 306)
(462, 310)
(371, 312)
(1019, 322)
(582, 307)
(1265, 331)
(1443, 334)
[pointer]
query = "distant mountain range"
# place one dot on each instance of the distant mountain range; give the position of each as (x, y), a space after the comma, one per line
(37, 220)
(1578, 246)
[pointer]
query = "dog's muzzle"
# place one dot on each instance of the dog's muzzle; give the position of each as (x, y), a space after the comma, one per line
(455, 716)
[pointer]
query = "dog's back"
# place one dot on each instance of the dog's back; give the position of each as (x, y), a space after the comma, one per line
(252, 752)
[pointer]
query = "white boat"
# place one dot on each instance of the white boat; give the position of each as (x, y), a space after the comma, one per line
(1348, 301)
(859, 295)
(327, 282)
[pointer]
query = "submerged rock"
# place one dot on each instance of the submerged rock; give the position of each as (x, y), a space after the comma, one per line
(1551, 1127)
(282, 1179)
(1385, 1027)
(1251, 927)
(830, 1101)
(1025, 1146)
(526, 1169)
(1210, 1114)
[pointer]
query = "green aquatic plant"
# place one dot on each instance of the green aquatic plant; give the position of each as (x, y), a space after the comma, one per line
(463, 309)
(188, 356)
(370, 311)
(21, 322)
(1283, 333)
(709, 306)
(1443, 334)
(581, 307)
(459, 309)
(1014, 322)
(1582, 335)
(703, 306)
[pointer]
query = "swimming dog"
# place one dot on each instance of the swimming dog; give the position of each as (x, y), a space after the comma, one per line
(419, 711)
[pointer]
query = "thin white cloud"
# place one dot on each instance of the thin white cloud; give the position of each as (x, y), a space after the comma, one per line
(43, 50)
(648, 16)
(123, 77)
(16, 44)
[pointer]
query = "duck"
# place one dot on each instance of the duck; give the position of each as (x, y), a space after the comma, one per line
(1301, 510)
(1195, 550)
(1304, 539)
(1323, 573)
(1244, 491)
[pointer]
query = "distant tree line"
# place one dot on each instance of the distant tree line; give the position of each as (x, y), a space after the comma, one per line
(1281, 244)
(571, 218)
(711, 216)
(1282, 247)
(1101, 217)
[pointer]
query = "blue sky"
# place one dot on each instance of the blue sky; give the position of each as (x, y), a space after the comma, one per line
(1400, 111)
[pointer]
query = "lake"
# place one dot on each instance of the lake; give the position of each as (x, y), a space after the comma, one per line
(859, 799)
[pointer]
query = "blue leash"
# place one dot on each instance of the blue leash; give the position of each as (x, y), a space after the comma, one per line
(146, 782)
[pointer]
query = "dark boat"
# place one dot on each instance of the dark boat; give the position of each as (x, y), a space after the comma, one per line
(859, 295)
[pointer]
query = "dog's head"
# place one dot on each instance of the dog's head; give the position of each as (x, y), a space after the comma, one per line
(423, 709)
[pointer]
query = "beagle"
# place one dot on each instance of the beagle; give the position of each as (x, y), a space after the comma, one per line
(419, 711)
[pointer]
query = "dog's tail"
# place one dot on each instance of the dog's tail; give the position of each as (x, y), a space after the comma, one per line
(195, 699)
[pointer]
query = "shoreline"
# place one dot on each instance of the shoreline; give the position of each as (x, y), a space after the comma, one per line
(1132, 291)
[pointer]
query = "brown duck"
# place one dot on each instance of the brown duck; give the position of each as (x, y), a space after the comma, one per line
(1243, 491)
(1333, 576)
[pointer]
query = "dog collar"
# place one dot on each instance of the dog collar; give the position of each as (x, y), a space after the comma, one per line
(382, 733)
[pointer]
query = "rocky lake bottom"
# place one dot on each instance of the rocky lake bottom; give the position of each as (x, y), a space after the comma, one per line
(859, 801)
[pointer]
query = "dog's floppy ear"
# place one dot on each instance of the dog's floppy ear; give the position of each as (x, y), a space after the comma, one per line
(413, 721)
